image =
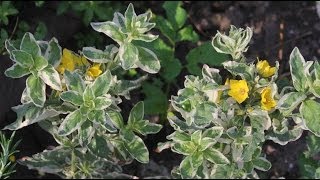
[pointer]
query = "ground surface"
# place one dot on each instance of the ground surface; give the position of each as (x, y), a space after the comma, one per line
(297, 21)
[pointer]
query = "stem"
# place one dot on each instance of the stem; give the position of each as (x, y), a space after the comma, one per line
(13, 32)
(73, 163)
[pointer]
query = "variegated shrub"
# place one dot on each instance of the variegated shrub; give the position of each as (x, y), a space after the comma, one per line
(76, 100)
(221, 123)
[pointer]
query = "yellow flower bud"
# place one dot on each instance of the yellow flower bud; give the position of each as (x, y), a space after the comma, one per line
(267, 101)
(94, 71)
(264, 69)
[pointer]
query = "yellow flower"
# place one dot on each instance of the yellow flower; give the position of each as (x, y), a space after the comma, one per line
(70, 60)
(264, 69)
(12, 158)
(267, 102)
(94, 71)
(238, 90)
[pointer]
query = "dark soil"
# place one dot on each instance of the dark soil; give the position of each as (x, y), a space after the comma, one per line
(298, 23)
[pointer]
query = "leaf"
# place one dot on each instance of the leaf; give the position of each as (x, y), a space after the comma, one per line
(260, 120)
(116, 118)
(213, 132)
(215, 156)
(100, 147)
(9, 46)
(36, 90)
(175, 13)
(40, 63)
(41, 31)
(203, 115)
(186, 168)
(144, 127)
(23, 58)
(129, 55)
(298, 75)
(72, 96)
(310, 111)
(289, 136)
(290, 101)
(28, 114)
(136, 113)
(74, 81)
(88, 15)
(102, 84)
(129, 16)
(262, 164)
(148, 61)
(29, 45)
(166, 28)
(242, 69)
(187, 34)
(47, 161)
(110, 29)
(85, 133)
(155, 101)
(51, 77)
(96, 55)
(135, 146)
(16, 71)
(204, 54)
(102, 103)
(71, 123)
(53, 53)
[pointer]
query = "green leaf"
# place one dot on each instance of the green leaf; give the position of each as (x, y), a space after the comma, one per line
(286, 137)
(290, 101)
(85, 133)
(88, 15)
(135, 146)
(88, 95)
(116, 118)
(310, 111)
(166, 28)
(102, 103)
(40, 63)
(186, 168)
(298, 75)
(145, 37)
(187, 34)
(171, 69)
(260, 120)
(129, 16)
(242, 69)
(100, 147)
(203, 115)
(41, 31)
(72, 96)
(62, 7)
(144, 127)
(196, 137)
(36, 90)
(71, 123)
(53, 53)
(215, 156)
(129, 55)
(136, 113)
(9, 46)
(102, 84)
(96, 55)
(175, 13)
(110, 29)
(28, 114)
(74, 81)
(204, 54)
(23, 58)
(30, 45)
(180, 137)
(97, 116)
(16, 71)
(185, 148)
(51, 77)
(262, 164)
(47, 161)
(213, 132)
(148, 61)
(155, 101)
